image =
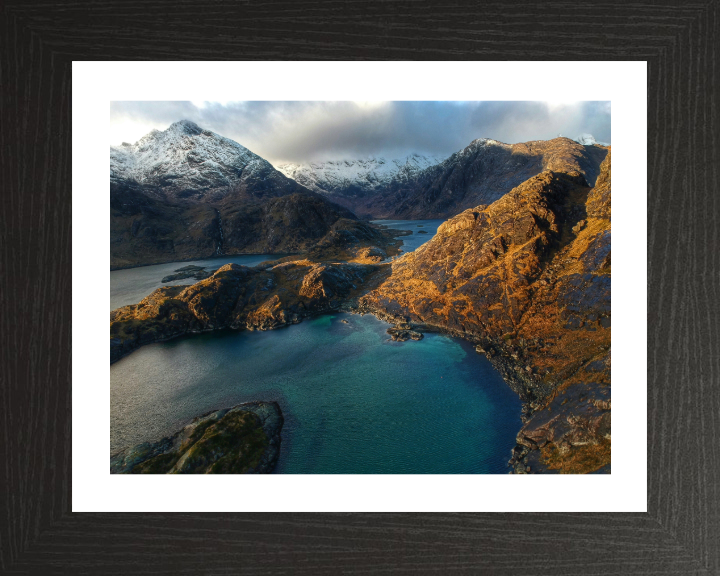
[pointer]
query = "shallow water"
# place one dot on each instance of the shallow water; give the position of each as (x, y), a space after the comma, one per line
(131, 285)
(354, 401)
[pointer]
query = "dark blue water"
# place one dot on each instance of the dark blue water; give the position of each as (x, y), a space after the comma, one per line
(354, 402)
(413, 241)
(131, 285)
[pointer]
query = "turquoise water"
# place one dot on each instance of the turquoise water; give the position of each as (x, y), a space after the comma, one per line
(131, 285)
(354, 401)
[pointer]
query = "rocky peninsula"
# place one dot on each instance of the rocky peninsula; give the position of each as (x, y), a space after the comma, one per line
(260, 298)
(244, 439)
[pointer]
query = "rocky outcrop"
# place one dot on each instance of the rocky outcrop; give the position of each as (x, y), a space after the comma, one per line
(571, 434)
(238, 297)
(244, 439)
(357, 241)
(527, 278)
(404, 333)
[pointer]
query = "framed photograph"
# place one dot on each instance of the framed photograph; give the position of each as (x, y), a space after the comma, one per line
(344, 290)
(473, 290)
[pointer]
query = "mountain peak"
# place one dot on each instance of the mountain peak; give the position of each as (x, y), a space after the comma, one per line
(187, 162)
(185, 127)
(486, 142)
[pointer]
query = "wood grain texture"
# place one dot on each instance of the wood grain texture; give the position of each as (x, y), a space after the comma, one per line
(681, 531)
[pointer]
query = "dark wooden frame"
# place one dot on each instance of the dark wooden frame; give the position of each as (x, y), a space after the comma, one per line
(680, 534)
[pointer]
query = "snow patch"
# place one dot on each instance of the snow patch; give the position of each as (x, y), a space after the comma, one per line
(364, 173)
(589, 140)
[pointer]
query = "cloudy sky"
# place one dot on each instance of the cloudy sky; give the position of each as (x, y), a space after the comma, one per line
(304, 131)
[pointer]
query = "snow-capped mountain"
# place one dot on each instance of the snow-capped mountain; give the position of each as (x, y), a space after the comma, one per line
(589, 140)
(186, 161)
(357, 177)
(185, 193)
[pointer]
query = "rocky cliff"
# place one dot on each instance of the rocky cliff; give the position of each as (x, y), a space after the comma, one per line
(244, 439)
(527, 278)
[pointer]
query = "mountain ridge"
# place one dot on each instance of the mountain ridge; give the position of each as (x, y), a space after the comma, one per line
(479, 173)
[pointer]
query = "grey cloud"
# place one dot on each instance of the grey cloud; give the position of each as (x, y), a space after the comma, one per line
(302, 131)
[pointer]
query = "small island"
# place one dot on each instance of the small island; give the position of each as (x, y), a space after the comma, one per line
(244, 439)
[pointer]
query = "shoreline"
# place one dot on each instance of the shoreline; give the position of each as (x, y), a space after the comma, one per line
(506, 367)
(200, 258)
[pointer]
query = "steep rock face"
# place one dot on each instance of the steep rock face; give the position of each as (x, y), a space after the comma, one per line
(571, 434)
(259, 298)
(146, 230)
(528, 278)
(244, 439)
(598, 205)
